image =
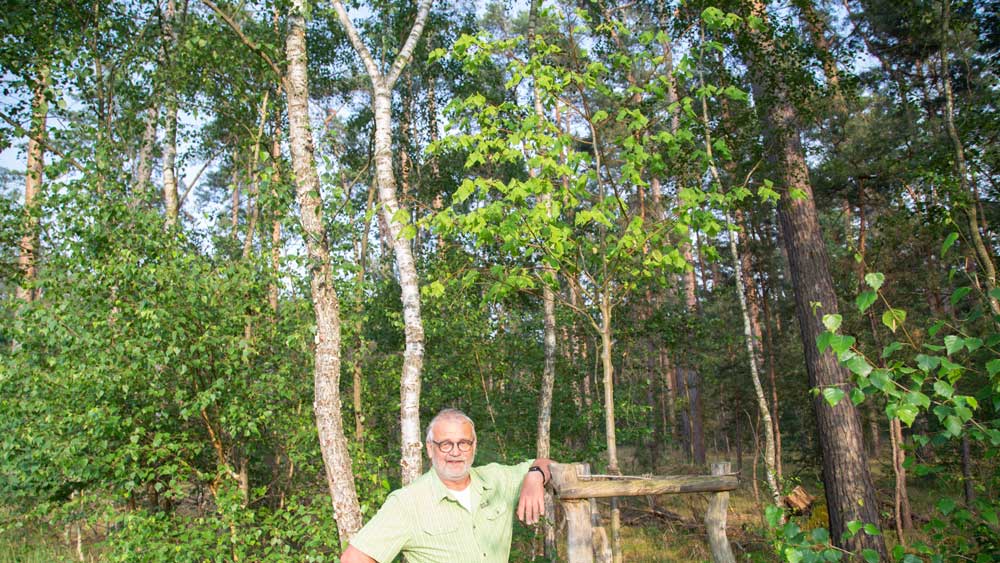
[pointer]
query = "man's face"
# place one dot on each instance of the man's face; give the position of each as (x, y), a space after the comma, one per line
(454, 465)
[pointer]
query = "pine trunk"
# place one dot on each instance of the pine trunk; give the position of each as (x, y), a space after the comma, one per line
(850, 493)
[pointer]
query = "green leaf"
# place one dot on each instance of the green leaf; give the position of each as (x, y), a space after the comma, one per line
(870, 555)
(893, 318)
(841, 343)
(946, 505)
(854, 526)
(880, 379)
(959, 293)
(906, 413)
(953, 426)
(832, 322)
(927, 363)
(993, 366)
(917, 398)
(820, 535)
(859, 365)
(857, 396)
(943, 388)
(833, 395)
(953, 343)
(875, 280)
(890, 349)
(823, 341)
(865, 300)
(948, 242)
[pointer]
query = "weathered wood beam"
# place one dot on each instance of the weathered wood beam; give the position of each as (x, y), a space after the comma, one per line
(715, 521)
(568, 485)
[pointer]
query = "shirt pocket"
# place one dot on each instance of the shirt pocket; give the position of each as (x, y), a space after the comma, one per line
(438, 529)
(495, 511)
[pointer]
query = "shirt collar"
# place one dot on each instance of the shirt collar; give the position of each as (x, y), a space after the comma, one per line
(439, 492)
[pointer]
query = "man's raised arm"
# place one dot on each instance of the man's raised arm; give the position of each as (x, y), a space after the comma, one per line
(531, 505)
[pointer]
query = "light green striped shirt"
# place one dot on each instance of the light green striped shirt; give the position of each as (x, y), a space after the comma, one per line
(427, 524)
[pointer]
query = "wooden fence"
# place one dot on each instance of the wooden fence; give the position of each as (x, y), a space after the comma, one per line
(575, 489)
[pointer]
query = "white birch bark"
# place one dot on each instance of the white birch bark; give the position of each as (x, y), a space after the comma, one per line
(396, 217)
(327, 404)
(28, 255)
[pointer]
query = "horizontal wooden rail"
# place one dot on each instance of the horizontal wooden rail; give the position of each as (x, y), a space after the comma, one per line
(568, 485)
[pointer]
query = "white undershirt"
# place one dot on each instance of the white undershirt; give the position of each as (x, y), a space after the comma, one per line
(464, 497)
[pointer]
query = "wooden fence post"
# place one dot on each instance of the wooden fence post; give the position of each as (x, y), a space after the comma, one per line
(715, 520)
(580, 544)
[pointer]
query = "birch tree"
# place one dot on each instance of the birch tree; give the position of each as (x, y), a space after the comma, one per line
(395, 216)
(326, 305)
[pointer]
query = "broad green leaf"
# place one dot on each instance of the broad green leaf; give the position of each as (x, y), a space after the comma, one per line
(832, 322)
(946, 505)
(953, 343)
(927, 363)
(917, 398)
(872, 530)
(859, 365)
(943, 388)
(880, 379)
(893, 318)
(857, 396)
(953, 426)
(823, 341)
(875, 280)
(906, 413)
(870, 555)
(993, 366)
(854, 526)
(833, 395)
(841, 343)
(865, 300)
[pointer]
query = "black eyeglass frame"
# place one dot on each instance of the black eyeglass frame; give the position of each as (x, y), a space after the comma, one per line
(448, 446)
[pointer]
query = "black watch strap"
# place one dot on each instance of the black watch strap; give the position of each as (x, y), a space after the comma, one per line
(540, 470)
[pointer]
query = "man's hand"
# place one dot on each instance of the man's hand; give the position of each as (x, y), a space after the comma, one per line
(531, 505)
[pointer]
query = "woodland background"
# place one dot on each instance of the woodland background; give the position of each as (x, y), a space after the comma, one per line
(250, 247)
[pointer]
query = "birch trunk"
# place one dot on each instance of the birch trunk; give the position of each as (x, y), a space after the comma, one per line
(27, 260)
(170, 199)
(396, 218)
(327, 403)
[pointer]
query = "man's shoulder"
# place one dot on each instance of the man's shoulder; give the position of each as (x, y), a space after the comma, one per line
(493, 471)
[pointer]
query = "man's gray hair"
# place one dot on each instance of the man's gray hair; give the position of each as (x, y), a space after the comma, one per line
(449, 414)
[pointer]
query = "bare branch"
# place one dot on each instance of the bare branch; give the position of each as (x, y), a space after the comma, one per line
(21, 131)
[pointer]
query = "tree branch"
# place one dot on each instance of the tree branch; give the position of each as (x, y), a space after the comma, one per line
(21, 131)
(406, 53)
(359, 46)
(246, 40)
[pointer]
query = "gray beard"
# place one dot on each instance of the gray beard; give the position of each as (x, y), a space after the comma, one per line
(442, 470)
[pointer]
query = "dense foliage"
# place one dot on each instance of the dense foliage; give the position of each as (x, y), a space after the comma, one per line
(157, 335)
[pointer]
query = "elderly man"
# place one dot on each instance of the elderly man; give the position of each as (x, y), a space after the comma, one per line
(455, 513)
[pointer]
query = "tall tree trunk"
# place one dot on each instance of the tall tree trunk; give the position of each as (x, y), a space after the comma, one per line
(982, 253)
(396, 217)
(549, 322)
(333, 444)
(170, 198)
(27, 260)
(609, 420)
(850, 493)
(144, 170)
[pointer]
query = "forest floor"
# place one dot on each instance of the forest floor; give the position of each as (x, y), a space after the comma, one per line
(668, 528)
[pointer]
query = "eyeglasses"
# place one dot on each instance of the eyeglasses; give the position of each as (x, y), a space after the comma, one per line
(447, 446)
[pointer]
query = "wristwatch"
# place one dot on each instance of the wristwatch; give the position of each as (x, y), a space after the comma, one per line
(540, 470)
